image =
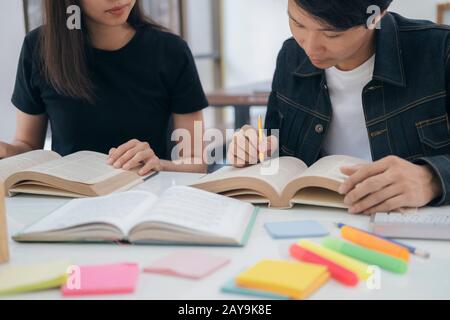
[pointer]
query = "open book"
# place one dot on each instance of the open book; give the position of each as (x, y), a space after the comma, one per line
(82, 174)
(4, 250)
(181, 215)
(283, 182)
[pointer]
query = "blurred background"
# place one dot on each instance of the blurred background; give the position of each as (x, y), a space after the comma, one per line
(235, 44)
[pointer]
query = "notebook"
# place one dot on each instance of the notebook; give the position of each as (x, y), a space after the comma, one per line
(187, 264)
(293, 279)
(82, 174)
(295, 229)
(181, 215)
(35, 277)
(101, 280)
(283, 182)
(427, 223)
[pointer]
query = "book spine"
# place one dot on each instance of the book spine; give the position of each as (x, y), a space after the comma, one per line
(4, 250)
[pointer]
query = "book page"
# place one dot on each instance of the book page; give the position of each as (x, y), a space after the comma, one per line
(200, 211)
(120, 210)
(84, 167)
(329, 167)
(24, 161)
(276, 172)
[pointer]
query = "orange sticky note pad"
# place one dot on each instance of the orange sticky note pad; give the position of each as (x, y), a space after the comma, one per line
(102, 280)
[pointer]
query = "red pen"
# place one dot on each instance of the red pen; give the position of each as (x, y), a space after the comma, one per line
(337, 272)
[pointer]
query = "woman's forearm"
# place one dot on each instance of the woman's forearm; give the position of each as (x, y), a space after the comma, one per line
(30, 135)
(15, 148)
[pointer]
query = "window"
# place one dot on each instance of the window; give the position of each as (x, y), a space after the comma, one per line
(33, 14)
(165, 12)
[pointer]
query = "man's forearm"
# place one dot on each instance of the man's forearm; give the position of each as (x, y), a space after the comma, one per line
(441, 167)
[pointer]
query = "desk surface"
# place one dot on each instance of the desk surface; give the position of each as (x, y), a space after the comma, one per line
(256, 94)
(426, 279)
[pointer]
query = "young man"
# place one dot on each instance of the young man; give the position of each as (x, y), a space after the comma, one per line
(379, 94)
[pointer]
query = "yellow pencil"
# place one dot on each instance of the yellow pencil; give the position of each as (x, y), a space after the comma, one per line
(260, 137)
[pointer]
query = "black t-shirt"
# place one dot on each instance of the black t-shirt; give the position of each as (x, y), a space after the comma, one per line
(137, 88)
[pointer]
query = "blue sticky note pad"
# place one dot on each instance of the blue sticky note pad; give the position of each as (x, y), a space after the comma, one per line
(231, 287)
(296, 229)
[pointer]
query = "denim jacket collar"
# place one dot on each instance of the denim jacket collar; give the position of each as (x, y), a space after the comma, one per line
(388, 61)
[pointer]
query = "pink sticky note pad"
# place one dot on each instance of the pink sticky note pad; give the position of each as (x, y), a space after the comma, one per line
(102, 279)
(187, 264)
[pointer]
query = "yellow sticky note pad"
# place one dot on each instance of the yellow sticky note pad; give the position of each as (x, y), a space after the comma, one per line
(19, 279)
(293, 279)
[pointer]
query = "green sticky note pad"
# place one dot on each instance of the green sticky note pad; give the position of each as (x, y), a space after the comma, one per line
(231, 287)
(20, 279)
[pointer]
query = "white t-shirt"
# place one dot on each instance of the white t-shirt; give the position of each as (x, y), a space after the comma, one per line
(347, 134)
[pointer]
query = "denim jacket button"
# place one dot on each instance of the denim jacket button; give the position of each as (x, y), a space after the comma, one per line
(319, 129)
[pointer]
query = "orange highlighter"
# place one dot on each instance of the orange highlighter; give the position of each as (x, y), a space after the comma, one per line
(372, 242)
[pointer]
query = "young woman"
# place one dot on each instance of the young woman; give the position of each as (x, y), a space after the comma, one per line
(379, 94)
(110, 87)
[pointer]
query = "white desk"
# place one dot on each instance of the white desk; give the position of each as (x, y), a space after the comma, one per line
(426, 279)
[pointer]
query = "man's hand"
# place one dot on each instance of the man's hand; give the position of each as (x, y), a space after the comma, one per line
(134, 154)
(389, 184)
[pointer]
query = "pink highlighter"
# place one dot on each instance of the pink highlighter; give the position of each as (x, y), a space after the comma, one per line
(337, 272)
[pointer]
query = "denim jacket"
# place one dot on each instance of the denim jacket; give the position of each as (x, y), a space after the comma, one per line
(406, 105)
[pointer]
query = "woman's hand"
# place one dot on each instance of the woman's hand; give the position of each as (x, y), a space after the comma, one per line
(3, 152)
(134, 154)
(388, 185)
(245, 147)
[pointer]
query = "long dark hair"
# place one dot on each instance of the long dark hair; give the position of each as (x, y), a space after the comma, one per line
(63, 51)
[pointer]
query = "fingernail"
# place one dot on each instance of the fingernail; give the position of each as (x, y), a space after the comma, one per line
(354, 210)
(341, 190)
(126, 167)
(117, 165)
(347, 201)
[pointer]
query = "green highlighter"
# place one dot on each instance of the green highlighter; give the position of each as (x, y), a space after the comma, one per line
(368, 256)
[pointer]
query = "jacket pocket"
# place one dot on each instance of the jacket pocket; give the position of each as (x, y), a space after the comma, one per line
(302, 130)
(434, 135)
